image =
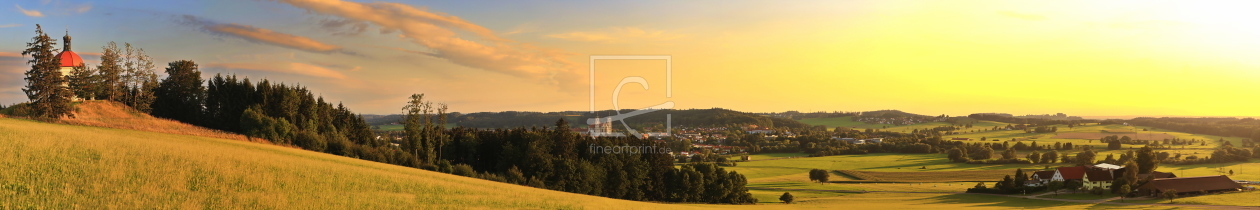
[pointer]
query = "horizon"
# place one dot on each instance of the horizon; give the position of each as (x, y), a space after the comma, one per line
(1165, 58)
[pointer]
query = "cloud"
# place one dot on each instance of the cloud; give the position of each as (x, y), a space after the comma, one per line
(282, 67)
(441, 33)
(261, 35)
(617, 34)
(31, 13)
(1024, 16)
(10, 25)
(343, 27)
(5, 55)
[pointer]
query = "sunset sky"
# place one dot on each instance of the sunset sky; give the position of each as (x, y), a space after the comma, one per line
(1192, 58)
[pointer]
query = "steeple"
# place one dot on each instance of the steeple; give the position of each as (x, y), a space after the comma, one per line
(67, 41)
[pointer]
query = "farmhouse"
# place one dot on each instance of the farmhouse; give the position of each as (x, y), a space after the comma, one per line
(1198, 184)
(1097, 178)
(1065, 174)
(1040, 178)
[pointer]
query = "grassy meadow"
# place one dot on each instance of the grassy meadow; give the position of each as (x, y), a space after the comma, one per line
(54, 166)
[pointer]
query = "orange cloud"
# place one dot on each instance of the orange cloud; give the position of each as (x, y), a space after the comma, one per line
(288, 68)
(616, 34)
(437, 31)
(261, 35)
(31, 13)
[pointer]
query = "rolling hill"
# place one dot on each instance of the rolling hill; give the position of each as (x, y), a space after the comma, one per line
(58, 166)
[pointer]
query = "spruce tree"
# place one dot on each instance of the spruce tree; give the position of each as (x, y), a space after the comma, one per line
(44, 82)
(180, 96)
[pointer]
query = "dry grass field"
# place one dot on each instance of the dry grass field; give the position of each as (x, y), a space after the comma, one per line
(56, 166)
(110, 114)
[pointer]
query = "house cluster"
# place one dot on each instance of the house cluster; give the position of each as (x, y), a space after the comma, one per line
(896, 121)
(860, 141)
(1102, 175)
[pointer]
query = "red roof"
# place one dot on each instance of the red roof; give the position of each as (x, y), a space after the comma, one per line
(69, 59)
(1072, 172)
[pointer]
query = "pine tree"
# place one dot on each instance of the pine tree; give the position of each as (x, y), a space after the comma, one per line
(83, 82)
(110, 71)
(44, 82)
(181, 95)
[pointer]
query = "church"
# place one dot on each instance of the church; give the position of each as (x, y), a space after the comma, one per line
(69, 60)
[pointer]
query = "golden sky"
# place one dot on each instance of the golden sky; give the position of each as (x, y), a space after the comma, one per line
(930, 57)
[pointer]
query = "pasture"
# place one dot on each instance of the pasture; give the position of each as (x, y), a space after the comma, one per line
(54, 166)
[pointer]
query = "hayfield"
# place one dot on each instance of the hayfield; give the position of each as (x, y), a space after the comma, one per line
(1096, 136)
(54, 166)
(935, 176)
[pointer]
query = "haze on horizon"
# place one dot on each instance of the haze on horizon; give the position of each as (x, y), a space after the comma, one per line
(1082, 58)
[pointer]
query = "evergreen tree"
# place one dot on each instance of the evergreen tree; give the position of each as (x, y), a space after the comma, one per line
(1147, 160)
(83, 82)
(180, 96)
(44, 82)
(111, 73)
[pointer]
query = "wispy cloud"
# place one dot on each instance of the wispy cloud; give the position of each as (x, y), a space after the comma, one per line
(31, 13)
(261, 35)
(282, 67)
(441, 33)
(1024, 16)
(617, 34)
(10, 25)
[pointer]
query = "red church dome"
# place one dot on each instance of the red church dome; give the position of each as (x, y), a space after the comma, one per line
(69, 59)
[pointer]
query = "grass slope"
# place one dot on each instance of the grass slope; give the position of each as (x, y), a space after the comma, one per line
(54, 166)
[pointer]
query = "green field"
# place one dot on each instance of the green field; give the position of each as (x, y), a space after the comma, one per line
(1251, 198)
(53, 166)
(833, 122)
(1081, 195)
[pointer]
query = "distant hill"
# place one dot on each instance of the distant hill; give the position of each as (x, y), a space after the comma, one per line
(891, 114)
(688, 117)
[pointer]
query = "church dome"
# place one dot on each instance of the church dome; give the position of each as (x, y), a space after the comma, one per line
(69, 59)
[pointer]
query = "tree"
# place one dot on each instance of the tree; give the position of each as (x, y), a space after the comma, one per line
(1050, 157)
(1020, 178)
(1147, 160)
(1085, 158)
(1034, 156)
(1009, 154)
(1124, 192)
(139, 79)
(819, 175)
(83, 82)
(1113, 144)
(1054, 186)
(49, 99)
(1170, 194)
(180, 96)
(111, 72)
(786, 198)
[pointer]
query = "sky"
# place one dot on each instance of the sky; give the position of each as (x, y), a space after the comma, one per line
(1082, 58)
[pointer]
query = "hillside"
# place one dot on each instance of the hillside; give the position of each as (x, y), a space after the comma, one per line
(53, 166)
(111, 114)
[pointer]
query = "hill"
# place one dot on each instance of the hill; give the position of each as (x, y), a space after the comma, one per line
(52, 166)
(111, 114)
